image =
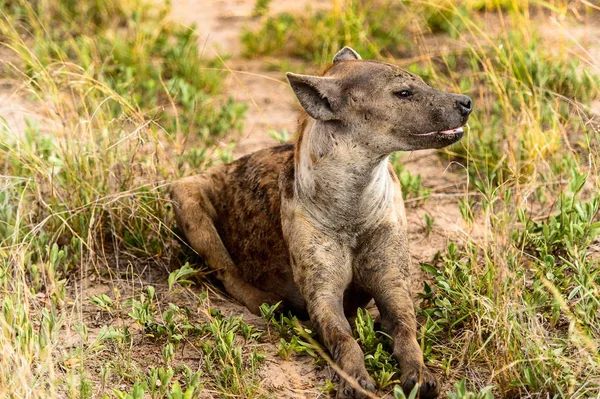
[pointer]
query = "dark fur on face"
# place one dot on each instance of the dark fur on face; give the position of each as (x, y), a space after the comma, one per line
(320, 225)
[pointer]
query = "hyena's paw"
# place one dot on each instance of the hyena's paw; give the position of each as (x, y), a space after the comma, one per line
(347, 390)
(429, 386)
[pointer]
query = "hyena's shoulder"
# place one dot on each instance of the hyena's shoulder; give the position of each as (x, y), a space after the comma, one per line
(249, 187)
(261, 169)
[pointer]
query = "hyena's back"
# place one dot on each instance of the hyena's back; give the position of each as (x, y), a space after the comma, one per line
(246, 199)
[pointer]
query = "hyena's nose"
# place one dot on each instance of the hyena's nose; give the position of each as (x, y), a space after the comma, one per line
(464, 104)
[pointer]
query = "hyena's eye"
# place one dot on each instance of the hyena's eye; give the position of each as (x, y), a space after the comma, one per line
(403, 93)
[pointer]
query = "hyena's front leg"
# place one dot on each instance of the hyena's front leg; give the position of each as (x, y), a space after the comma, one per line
(323, 271)
(383, 266)
(398, 319)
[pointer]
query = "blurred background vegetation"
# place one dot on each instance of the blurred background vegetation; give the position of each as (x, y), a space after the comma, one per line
(99, 299)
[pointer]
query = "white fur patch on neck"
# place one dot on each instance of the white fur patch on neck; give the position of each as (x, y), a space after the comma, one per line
(378, 194)
(359, 188)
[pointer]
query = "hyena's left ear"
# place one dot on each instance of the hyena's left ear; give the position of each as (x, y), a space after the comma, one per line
(345, 54)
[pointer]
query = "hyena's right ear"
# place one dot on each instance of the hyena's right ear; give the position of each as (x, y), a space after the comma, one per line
(319, 96)
(345, 54)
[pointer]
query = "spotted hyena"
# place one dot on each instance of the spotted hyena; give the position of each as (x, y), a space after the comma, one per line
(319, 225)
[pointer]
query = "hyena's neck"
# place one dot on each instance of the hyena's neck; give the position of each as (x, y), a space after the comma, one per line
(340, 182)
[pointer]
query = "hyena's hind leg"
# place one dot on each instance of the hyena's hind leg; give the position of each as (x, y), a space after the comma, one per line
(195, 216)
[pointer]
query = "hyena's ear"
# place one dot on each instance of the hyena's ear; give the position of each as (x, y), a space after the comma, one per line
(345, 54)
(319, 96)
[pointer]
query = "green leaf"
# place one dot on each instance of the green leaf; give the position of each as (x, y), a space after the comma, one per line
(180, 275)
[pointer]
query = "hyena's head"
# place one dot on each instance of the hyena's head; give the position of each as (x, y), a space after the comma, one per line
(381, 106)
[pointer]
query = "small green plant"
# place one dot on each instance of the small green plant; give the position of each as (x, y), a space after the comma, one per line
(143, 311)
(261, 7)
(329, 387)
(168, 353)
(181, 275)
(103, 301)
(281, 137)
(295, 338)
(137, 392)
(286, 349)
(399, 393)
(412, 186)
(158, 380)
(569, 231)
(465, 205)
(174, 323)
(118, 337)
(232, 370)
(160, 384)
(461, 392)
(429, 221)
(376, 346)
(191, 379)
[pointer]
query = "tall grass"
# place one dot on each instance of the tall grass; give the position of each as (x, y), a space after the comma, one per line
(118, 89)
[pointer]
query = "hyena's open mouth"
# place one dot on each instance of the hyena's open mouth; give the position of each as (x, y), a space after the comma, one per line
(455, 131)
